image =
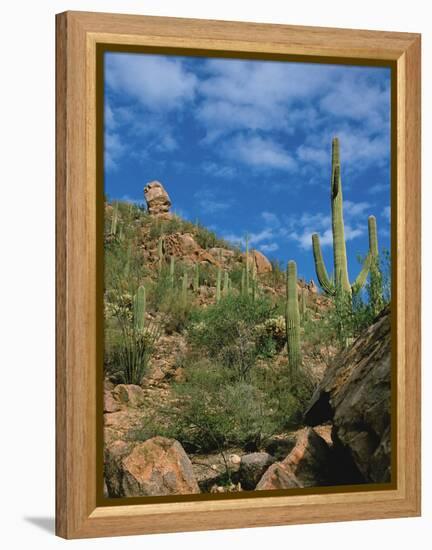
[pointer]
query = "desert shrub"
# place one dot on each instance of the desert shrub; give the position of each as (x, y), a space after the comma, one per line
(128, 348)
(271, 335)
(215, 411)
(226, 331)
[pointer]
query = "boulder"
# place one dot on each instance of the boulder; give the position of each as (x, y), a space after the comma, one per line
(129, 393)
(261, 263)
(280, 446)
(307, 465)
(157, 199)
(159, 466)
(110, 404)
(184, 246)
(252, 467)
(114, 453)
(355, 396)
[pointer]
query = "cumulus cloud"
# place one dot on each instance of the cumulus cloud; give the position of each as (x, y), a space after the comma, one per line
(259, 153)
(156, 81)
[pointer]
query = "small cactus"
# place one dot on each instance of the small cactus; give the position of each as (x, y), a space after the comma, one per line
(172, 271)
(303, 306)
(247, 266)
(114, 219)
(218, 285)
(226, 284)
(185, 284)
(139, 309)
(292, 320)
(196, 282)
(160, 254)
(243, 283)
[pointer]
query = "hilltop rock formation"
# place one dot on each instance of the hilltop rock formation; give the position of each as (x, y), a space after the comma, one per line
(157, 199)
(355, 396)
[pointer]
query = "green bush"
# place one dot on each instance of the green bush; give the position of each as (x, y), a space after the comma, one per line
(226, 331)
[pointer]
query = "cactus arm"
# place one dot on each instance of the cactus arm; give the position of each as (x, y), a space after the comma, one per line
(321, 271)
(362, 276)
(373, 238)
(292, 320)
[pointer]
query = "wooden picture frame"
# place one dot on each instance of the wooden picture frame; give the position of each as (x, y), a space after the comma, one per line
(79, 36)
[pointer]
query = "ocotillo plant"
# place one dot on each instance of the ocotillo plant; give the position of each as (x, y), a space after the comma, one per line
(218, 284)
(139, 309)
(114, 219)
(341, 278)
(292, 320)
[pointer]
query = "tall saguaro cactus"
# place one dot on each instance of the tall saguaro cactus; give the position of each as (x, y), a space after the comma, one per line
(340, 278)
(292, 320)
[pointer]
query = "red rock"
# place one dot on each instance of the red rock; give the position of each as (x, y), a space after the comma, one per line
(129, 393)
(159, 466)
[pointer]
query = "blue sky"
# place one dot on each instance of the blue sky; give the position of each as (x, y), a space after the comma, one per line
(245, 147)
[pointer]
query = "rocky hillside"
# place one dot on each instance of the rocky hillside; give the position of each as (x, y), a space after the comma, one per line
(189, 419)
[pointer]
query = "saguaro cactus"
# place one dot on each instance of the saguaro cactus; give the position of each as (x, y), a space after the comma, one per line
(139, 309)
(292, 320)
(185, 284)
(375, 289)
(226, 284)
(114, 219)
(247, 264)
(303, 306)
(340, 279)
(160, 254)
(172, 271)
(218, 284)
(196, 282)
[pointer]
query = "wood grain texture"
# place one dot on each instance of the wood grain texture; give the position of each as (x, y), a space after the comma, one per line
(78, 34)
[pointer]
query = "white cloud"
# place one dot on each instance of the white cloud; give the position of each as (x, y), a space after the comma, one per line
(270, 219)
(218, 170)
(114, 149)
(156, 81)
(210, 203)
(260, 153)
(354, 209)
(267, 248)
(386, 213)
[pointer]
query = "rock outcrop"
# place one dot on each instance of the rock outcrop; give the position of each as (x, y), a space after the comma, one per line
(252, 467)
(307, 465)
(355, 396)
(159, 466)
(260, 262)
(157, 199)
(184, 247)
